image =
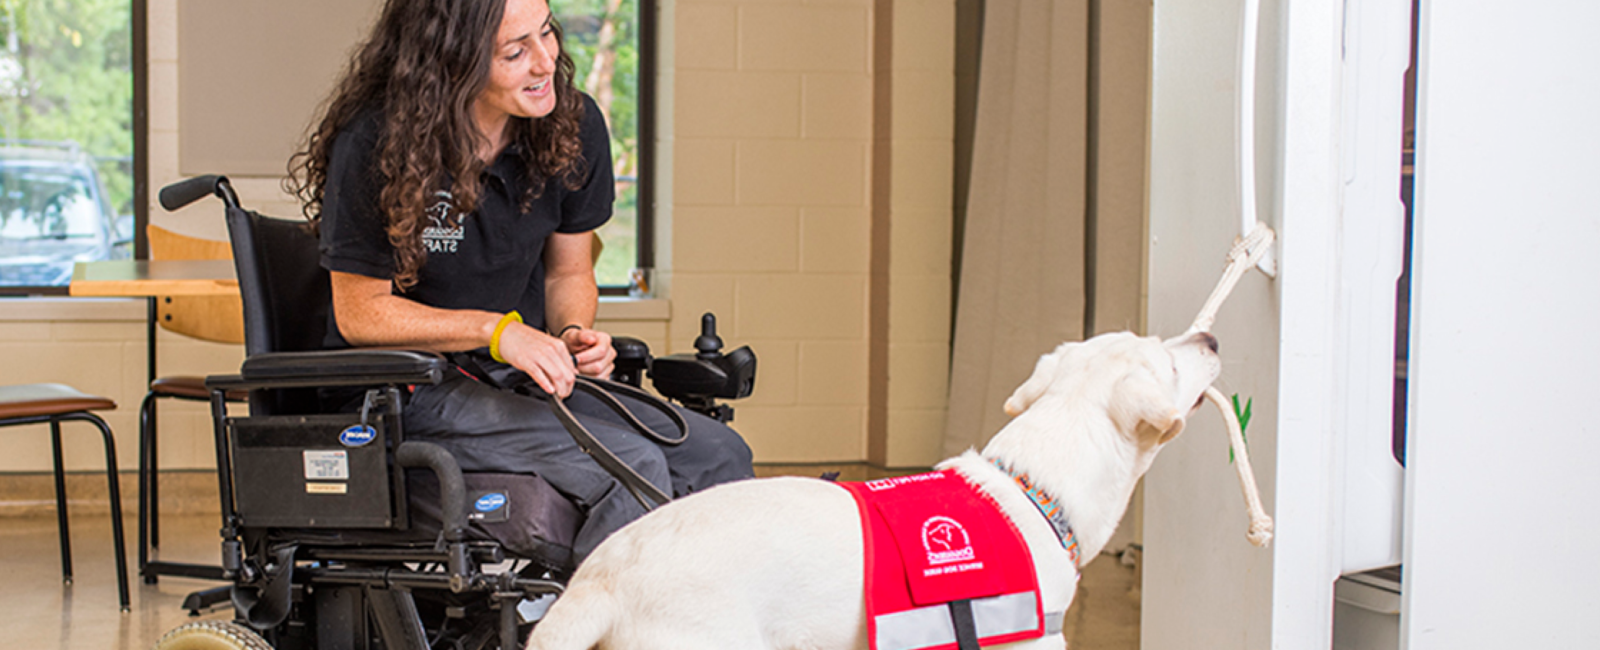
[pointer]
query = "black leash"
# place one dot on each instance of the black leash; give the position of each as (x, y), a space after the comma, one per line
(650, 496)
(642, 489)
(605, 391)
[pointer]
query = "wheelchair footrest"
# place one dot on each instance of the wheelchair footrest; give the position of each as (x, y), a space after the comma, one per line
(481, 552)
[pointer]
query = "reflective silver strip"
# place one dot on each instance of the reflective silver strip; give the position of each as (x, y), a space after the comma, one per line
(1054, 623)
(925, 627)
(915, 628)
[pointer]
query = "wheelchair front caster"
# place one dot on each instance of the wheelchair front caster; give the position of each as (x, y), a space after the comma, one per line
(212, 635)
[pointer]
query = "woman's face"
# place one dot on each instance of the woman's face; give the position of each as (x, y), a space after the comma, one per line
(522, 74)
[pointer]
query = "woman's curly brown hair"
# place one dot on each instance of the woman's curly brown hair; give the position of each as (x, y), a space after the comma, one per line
(423, 67)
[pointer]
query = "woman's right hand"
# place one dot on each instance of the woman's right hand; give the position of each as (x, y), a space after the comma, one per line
(545, 358)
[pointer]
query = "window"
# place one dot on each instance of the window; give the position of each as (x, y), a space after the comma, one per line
(66, 139)
(612, 44)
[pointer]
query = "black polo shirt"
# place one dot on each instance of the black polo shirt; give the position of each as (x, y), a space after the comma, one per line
(491, 259)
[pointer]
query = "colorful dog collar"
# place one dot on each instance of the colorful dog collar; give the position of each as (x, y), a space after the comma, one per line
(1049, 508)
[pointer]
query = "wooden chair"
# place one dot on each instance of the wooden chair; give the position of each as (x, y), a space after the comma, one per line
(55, 403)
(209, 318)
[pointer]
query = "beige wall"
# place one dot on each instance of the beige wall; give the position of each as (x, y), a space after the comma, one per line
(97, 345)
(816, 228)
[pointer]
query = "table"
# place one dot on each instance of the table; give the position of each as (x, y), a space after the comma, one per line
(149, 279)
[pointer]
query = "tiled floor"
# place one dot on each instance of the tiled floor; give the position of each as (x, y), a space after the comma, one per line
(40, 613)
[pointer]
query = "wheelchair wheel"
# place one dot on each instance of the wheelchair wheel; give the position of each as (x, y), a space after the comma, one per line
(212, 635)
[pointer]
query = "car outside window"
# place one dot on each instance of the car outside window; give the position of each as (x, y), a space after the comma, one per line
(53, 213)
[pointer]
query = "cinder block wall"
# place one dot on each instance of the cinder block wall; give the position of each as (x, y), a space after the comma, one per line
(770, 219)
(811, 209)
(781, 214)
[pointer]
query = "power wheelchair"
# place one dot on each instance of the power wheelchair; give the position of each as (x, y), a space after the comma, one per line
(340, 534)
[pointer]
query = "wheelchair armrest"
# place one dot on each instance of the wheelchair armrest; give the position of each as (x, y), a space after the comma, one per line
(352, 367)
(452, 497)
(452, 487)
(633, 360)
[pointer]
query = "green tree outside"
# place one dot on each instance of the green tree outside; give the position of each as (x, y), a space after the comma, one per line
(602, 39)
(66, 75)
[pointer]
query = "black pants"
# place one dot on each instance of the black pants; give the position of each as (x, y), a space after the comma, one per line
(492, 429)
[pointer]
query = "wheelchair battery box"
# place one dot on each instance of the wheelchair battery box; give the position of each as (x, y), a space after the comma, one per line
(315, 471)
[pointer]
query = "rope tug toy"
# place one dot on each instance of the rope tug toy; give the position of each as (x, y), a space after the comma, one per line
(1247, 251)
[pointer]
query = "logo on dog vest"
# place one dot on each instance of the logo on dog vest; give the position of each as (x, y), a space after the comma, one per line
(490, 502)
(946, 541)
(357, 435)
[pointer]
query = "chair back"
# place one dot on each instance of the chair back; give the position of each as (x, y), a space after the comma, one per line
(286, 296)
(208, 318)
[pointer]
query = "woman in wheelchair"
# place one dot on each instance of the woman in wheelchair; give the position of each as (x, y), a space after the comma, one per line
(454, 179)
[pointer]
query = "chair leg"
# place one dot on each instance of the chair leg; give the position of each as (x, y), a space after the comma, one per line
(61, 502)
(146, 481)
(155, 481)
(112, 487)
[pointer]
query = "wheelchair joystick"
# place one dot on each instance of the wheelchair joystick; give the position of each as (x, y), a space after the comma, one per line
(708, 344)
(698, 380)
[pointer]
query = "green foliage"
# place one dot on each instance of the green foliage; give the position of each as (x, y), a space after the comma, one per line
(66, 74)
(582, 22)
(621, 239)
(1244, 422)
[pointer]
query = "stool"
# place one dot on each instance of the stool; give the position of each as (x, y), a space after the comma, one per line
(56, 403)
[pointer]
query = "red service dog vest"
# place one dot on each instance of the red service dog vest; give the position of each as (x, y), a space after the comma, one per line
(932, 540)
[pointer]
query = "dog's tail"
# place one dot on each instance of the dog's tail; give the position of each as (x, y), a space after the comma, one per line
(578, 620)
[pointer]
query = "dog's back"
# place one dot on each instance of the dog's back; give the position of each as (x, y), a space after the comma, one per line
(777, 563)
(766, 563)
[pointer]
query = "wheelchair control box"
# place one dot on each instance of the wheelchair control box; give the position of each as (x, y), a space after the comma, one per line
(315, 471)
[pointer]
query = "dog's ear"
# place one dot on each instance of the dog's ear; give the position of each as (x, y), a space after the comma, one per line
(1141, 400)
(1043, 373)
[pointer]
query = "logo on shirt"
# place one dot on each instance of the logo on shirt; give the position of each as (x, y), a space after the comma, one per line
(442, 236)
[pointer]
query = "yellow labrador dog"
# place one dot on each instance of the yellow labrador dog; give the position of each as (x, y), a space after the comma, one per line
(777, 563)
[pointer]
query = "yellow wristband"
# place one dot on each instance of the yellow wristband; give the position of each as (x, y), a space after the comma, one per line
(500, 328)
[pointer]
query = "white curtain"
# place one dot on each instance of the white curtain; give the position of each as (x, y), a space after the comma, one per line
(1050, 172)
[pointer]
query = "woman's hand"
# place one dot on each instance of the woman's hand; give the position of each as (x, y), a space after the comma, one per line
(545, 358)
(591, 349)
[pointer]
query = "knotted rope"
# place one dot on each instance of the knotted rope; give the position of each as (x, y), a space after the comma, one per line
(1247, 250)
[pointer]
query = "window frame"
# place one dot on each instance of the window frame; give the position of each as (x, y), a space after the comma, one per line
(649, 59)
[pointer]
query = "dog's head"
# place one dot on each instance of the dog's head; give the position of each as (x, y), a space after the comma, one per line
(1147, 386)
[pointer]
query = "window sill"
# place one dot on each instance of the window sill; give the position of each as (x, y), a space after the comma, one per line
(634, 309)
(61, 308)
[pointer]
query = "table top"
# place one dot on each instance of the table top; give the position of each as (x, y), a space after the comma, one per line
(135, 278)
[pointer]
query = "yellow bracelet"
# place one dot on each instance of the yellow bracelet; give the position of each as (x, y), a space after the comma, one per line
(500, 328)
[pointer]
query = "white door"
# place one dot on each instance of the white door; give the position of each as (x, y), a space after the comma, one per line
(1503, 513)
(1312, 348)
